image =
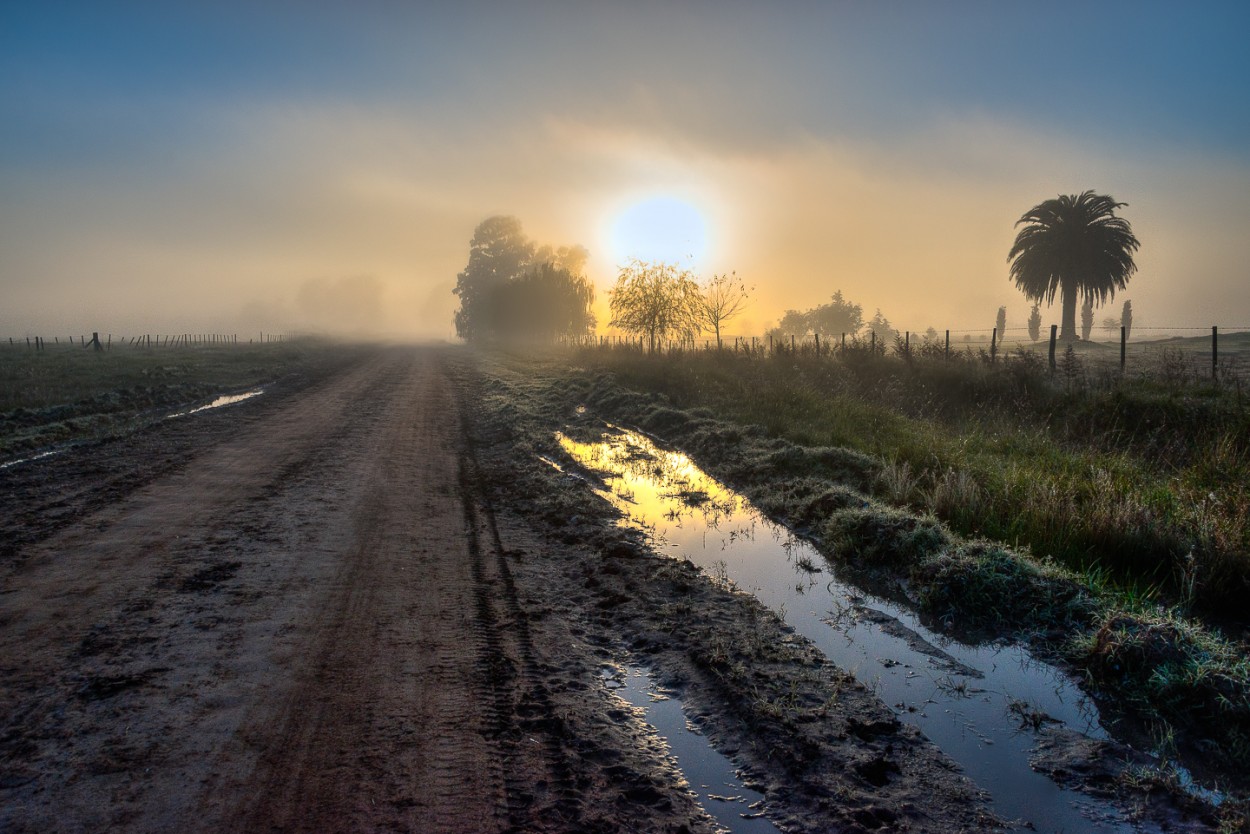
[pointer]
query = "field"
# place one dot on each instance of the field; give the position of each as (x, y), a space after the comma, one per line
(381, 594)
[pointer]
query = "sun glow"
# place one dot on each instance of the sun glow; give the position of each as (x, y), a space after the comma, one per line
(663, 229)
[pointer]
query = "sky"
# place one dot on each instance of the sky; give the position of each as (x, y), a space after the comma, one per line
(315, 166)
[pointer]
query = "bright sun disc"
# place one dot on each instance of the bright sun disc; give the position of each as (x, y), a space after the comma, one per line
(660, 229)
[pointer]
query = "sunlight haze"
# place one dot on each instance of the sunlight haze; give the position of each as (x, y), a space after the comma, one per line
(322, 167)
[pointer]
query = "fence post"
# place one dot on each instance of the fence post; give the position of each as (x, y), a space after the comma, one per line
(872, 348)
(1123, 339)
(844, 343)
(946, 355)
(1054, 334)
(818, 344)
(993, 345)
(907, 342)
(1215, 350)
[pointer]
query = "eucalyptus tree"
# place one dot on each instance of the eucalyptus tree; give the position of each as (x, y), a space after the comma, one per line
(1073, 246)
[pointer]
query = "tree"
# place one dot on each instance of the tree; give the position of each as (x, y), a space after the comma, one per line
(833, 319)
(498, 253)
(1126, 319)
(880, 325)
(1073, 246)
(1000, 322)
(1111, 324)
(723, 297)
(1087, 319)
(657, 301)
(1035, 323)
(542, 304)
(512, 289)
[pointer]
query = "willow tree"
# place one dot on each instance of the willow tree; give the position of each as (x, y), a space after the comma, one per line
(1073, 246)
(656, 301)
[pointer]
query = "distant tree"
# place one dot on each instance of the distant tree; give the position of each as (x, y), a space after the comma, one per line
(1087, 319)
(656, 301)
(1126, 318)
(1073, 246)
(930, 335)
(1035, 323)
(1000, 321)
(512, 289)
(834, 318)
(542, 304)
(880, 325)
(723, 298)
(1111, 324)
(498, 253)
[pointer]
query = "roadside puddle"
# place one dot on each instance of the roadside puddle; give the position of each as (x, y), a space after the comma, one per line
(229, 399)
(981, 704)
(711, 776)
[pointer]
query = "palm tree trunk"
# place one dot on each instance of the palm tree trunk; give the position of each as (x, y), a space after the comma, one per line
(1067, 330)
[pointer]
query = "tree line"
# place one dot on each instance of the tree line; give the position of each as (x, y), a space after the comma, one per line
(1071, 248)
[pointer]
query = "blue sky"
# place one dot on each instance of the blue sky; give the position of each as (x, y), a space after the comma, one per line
(213, 161)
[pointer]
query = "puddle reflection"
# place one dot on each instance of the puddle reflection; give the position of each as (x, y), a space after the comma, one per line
(711, 775)
(967, 699)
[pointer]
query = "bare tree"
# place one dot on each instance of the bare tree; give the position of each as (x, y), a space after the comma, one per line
(724, 297)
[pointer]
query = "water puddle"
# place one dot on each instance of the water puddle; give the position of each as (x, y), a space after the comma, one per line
(711, 775)
(229, 399)
(974, 702)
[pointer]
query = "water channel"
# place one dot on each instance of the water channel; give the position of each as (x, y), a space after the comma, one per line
(972, 701)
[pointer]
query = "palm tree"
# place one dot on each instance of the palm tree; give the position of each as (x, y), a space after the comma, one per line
(1073, 245)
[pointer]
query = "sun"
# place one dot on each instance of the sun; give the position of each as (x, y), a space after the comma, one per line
(660, 229)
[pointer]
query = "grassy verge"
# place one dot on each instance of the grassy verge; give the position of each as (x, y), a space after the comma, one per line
(1143, 660)
(67, 393)
(1142, 483)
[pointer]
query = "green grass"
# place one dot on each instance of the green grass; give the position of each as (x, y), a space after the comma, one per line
(1144, 482)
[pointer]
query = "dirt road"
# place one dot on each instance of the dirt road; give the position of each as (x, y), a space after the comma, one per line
(302, 613)
(305, 624)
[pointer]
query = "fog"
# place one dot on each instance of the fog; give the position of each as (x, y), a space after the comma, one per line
(326, 174)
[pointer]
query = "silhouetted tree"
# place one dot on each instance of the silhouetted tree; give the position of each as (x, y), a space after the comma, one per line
(1111, 324)
(724, 296)
(1073, 246)
(834, 318)
(1087, 319)
(931, 335)
(880, 325)
(512, 290)
(1035, 323)
(657, 301)
(1126, 319)
(1000, 321)
(498, 253)
(542, 304)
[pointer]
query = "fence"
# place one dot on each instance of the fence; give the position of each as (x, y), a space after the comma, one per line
(146, 341)
(1216, 352)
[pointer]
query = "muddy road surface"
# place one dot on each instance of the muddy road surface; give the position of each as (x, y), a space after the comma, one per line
(302, 613)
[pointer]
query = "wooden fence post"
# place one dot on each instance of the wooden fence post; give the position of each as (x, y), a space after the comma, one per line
(1123, 339)
(993, 345)
(873, 347)
(1215, 351)
(947, 353)
(1054, 333)
(844, 343)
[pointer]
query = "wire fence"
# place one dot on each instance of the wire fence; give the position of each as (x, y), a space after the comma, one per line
(1217, 353)
(144, 341)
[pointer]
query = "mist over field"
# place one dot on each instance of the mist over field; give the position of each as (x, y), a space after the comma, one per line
(211, 167)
